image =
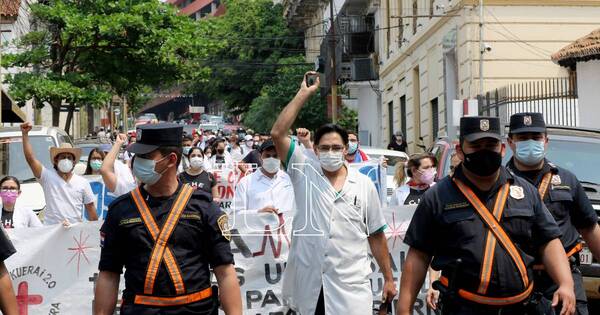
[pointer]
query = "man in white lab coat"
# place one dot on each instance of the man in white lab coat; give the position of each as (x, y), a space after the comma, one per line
(337, 220)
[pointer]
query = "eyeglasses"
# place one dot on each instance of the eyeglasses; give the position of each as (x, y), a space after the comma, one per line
(334, 148)
(9, 190)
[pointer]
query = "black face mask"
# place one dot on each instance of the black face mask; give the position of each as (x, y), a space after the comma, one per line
(220, 151)
(483, 162)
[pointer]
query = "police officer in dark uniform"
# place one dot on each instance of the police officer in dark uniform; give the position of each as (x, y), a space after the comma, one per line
(8, 301)
(561, 192)
(167, 236)
(483, 227)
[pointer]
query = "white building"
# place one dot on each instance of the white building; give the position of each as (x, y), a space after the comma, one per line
(583, 57)
(430, 54)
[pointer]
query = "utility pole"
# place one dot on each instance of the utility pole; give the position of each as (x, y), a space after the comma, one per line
(332, 42)
(481, 48)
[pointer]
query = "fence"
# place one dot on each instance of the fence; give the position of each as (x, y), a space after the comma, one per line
(555, 98)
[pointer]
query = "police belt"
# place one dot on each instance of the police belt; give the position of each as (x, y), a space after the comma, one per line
(495, 234)
(161, 252)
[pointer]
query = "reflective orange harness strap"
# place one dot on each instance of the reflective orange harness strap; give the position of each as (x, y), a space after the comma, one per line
(490, 244)
(543, 188)
(492, 301)
(500, 235)
(161, 250)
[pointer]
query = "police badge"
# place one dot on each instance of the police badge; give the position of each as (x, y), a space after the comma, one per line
(556, 180)
(517, 192)
(484, 125)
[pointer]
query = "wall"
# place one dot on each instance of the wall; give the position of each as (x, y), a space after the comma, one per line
(522, 39)
(588, 81)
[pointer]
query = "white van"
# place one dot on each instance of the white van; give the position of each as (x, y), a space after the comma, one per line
(12, 160)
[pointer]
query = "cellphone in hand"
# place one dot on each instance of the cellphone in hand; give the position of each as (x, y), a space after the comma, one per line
(310, 79)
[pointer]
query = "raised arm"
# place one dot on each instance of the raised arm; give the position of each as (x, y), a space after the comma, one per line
(288, 115)
(35, 165)
(108, 165)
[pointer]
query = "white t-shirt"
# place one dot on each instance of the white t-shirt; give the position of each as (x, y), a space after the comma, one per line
(125, 180)
(64, 200)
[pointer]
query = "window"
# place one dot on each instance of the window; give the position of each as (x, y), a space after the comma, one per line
(391, 119)
(403, 115)
(415, 13)
(435, 125)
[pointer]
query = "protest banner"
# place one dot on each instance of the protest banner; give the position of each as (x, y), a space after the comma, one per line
(55, 268)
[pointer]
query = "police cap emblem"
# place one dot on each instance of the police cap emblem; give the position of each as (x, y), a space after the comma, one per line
(484, 125)
(527, 121)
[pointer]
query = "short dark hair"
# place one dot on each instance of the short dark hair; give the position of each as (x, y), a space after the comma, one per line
(195, 149)
(415, 161)
(166, 150)
(188, 138)
(14, 179)
(329, 128)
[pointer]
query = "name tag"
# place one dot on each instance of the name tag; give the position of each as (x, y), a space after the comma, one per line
(457, 205)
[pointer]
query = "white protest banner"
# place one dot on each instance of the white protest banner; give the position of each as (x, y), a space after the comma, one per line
(227, 178)
(54, 269)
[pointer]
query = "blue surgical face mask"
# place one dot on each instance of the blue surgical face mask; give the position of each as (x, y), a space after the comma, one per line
(530, 152)
(186, 150)
(144, 170)
(352, 147)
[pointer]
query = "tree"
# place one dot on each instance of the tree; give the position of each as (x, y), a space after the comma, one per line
(254, 38)
(275, 96)
(87, 50)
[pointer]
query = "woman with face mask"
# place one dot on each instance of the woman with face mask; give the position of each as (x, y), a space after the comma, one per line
(12, 215)
(197, 176)
(421, 168)
(94, 163)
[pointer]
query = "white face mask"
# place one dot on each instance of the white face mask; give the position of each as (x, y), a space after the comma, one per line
(271, 165)
(249, 143)
(65, 166)
(196, 162)
(331, 161)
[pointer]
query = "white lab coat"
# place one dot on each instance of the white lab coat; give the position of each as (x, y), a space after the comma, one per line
(330, 240)
(23, 217)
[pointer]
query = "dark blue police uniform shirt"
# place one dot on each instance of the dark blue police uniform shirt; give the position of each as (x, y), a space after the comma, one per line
(447, 227)
(566, 200)
(197, 243)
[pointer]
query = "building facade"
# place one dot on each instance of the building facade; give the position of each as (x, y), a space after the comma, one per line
(198, 9)
(430, 54)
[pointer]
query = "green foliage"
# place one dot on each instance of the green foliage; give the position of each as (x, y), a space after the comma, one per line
(254, 38)
(348, 119)
(86, 50)
(275, 96)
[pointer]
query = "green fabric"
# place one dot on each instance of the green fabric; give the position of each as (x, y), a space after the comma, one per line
(380, 230)
(290, 152)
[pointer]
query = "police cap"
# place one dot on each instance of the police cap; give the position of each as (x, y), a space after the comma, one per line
(527, 122)
(153, 136)
(475, 128)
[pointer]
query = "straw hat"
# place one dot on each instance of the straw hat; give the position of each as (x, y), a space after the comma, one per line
(65, 148)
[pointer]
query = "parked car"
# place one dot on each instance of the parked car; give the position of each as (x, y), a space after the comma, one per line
(393, 158)
(146, 118)
(575, 149)
(13, 163)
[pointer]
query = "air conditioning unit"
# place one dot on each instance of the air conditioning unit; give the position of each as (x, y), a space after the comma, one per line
(346, 71)
(363, 69)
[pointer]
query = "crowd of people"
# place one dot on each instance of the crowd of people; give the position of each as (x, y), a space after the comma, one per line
(495, 239)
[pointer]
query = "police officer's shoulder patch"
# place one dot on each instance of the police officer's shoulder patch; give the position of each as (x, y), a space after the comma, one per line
(223, 223)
